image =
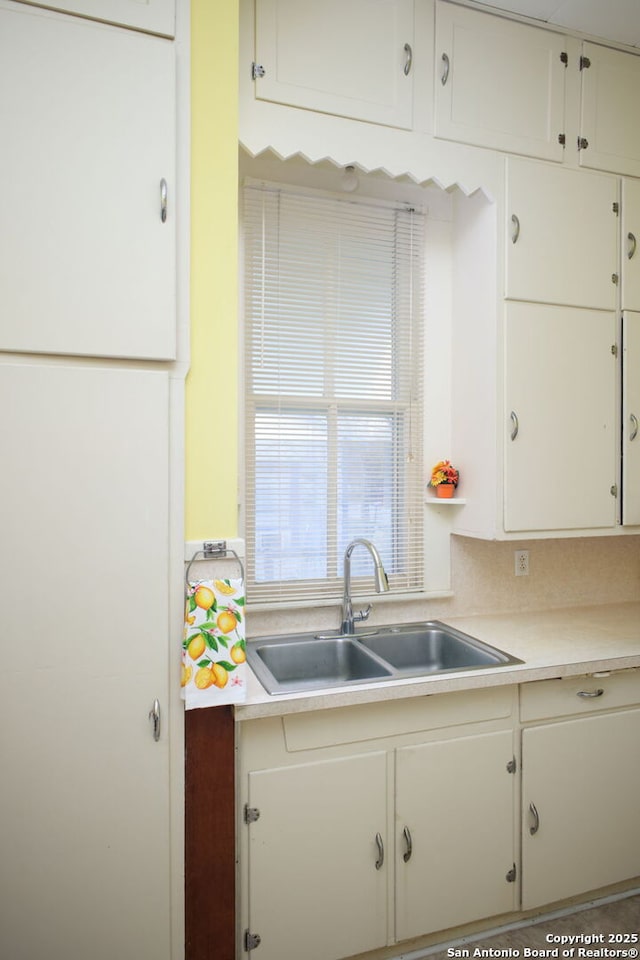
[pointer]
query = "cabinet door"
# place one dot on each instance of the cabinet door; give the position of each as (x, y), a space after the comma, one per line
(581, 781)
(345, 57)
(155, 16)
(320, 821)
(631, 418)
(498, 83)
(560, 418)
(610, 84)
(630, 257)
(562, 236)
(87, 266)
(455, 799)
(84, 792)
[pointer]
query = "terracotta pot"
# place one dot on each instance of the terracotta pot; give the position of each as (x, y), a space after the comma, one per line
(445, 491)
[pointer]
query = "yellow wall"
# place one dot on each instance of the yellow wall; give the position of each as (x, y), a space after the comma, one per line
(211, 389)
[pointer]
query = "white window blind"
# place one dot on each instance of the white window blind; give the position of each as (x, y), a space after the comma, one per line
(333, 373)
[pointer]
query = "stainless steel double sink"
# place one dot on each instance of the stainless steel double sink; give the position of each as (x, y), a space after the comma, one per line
(307, 662)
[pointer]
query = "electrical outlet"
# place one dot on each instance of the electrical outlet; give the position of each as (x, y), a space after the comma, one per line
(522, 563)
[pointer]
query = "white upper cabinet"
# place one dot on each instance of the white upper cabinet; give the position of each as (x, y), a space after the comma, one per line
(631, 419)
(630, 253)
(560, 418)
(152, 16)
(610, 91)
(87, 257)
(562, 235)
(498, 83)
(350, 58)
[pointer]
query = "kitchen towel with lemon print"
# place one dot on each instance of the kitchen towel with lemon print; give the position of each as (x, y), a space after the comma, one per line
(214, 667)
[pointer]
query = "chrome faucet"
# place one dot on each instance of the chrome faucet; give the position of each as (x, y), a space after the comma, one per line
(381, 584)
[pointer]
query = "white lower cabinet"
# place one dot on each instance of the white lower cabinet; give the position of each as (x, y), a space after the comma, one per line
(317, 874)
(371, 825)
(454, 826)
(580, 788)
(349, 847)
(85, 832)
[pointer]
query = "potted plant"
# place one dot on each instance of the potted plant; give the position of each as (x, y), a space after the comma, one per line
(444, 477)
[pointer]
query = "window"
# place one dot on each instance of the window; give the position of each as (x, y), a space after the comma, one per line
(333, 383)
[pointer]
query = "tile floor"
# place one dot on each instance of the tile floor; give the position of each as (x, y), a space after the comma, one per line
(618, 917)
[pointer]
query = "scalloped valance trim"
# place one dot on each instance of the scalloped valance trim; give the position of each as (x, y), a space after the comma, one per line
(433, 180)
(398, 154)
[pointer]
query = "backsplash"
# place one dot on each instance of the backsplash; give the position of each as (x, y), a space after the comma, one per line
(562, 573)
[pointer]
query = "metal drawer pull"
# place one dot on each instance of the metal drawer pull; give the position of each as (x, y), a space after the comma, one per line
(632, 246)
(406, 856)
(163, 200)
(154, 716)
(516, 425)
(409, 59)
(445, 72)
(380, 846)
(515, 233)
(590, 694)
(536, 819)
(634, 426)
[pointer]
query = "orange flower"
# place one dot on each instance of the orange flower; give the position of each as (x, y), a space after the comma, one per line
(444, 472)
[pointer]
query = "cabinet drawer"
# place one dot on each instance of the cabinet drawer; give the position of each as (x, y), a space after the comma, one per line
(561, 698)
(308, 731)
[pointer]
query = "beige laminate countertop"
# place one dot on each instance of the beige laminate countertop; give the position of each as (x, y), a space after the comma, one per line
(566, 642)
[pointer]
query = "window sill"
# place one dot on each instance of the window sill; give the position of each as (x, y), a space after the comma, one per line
(361, 598)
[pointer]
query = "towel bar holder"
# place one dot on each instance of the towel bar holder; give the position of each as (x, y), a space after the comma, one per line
(213, 550)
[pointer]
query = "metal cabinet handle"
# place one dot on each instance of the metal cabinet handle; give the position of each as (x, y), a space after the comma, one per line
(408, 59)
(516, 425)
(406, 856)
(163, 200)
(380, 846)
(632, 246)
(445, 72)
(634, 426)
(590, 694)
(533, 829)
(154, 716)
(515, 233)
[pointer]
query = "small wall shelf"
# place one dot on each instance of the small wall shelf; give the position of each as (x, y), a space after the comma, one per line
(443, 501)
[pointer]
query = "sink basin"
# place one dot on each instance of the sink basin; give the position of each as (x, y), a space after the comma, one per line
(309, 663)
(432, 648)
(305, 662)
